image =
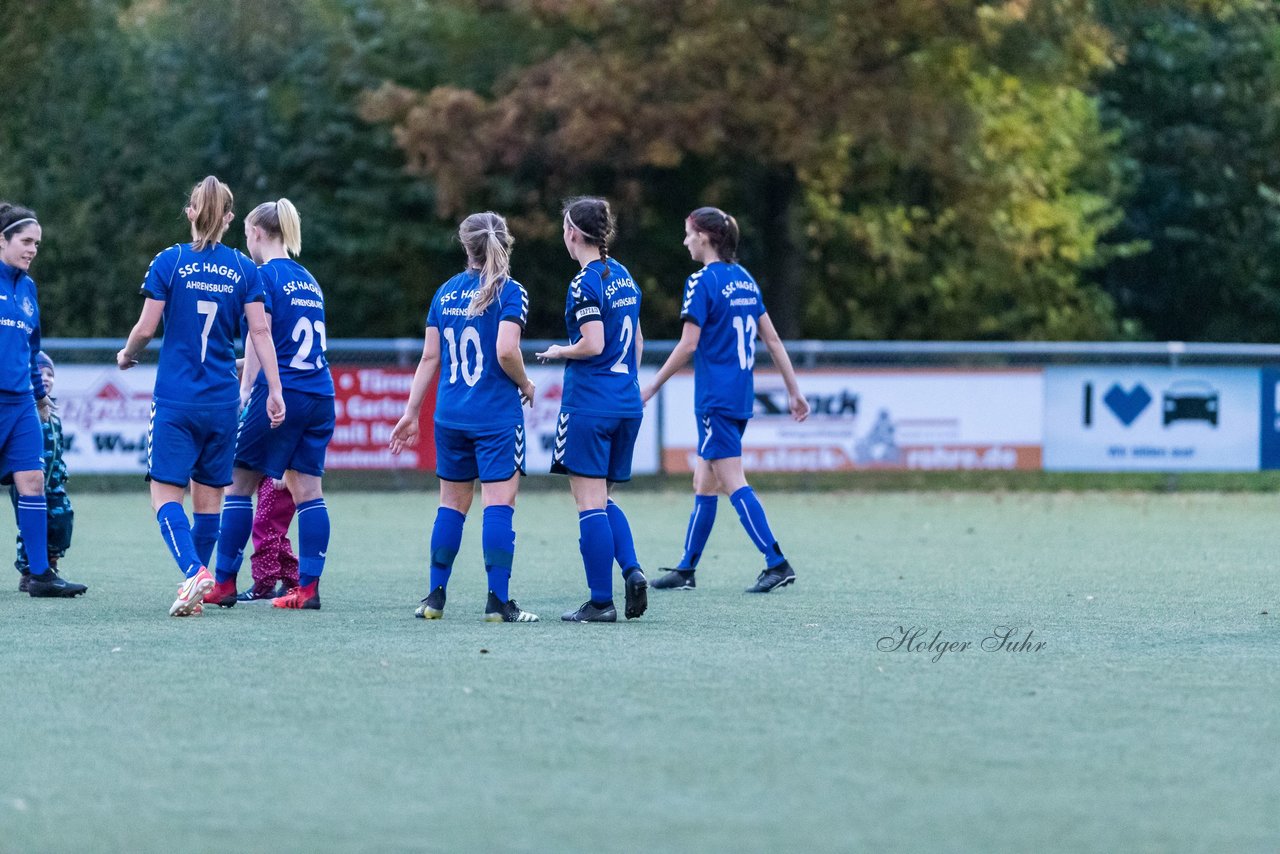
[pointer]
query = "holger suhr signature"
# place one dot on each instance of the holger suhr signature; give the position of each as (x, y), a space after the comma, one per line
(924, 640)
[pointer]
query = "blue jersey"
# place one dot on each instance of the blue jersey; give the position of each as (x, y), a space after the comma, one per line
(725, 302)
(474, 392)
(608, 384)
(19, 336)
(204, 294)
(296, 304)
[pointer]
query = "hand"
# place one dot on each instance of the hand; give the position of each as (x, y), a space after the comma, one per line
(45, 407)
(646, 394)
(275, 409)
(526, 393)
(124, 361)
(405, 433)
(279, 483)
(799, 407)
(555, 351)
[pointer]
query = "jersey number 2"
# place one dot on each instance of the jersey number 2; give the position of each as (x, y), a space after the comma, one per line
(303, 329)
(628, 335)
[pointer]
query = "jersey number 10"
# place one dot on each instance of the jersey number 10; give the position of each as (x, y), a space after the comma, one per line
(470, 373)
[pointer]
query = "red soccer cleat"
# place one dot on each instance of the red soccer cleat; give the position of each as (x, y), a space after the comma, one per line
(223, 594)
(300, 598)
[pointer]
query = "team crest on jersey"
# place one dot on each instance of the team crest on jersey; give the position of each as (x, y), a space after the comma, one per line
(28, 306)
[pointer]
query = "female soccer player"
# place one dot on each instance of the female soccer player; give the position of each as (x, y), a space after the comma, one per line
(23, 401)
(200, 289)
(294, 307)
(480, 313)
(722, 314)
(600, 409)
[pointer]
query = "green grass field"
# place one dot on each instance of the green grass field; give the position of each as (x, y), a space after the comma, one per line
(1149, 721)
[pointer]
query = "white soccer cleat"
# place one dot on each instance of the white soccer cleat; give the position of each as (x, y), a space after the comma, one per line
(191, 594)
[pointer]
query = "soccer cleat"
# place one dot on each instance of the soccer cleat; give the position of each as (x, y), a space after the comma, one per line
(592, 613)
(191, 594)
(675, 579)
(637, 593)
(23, 581)
(432, 608)
(261, 591)
(497, 611)
(53, 586)
(779, 576)
(300, 598)
(223, 594)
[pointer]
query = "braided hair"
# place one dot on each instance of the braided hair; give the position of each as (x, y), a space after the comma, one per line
(594, 221)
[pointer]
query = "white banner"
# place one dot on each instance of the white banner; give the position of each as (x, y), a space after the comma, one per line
(540, 422)
(104, 415)
(1113, 418)
(869, 419)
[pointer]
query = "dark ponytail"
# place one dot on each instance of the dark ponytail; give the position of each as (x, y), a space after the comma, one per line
(720, 228)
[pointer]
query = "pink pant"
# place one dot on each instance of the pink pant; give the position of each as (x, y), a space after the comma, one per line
(273, 559)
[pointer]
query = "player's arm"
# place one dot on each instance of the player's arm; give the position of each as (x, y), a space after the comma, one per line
(590, 345)
(249, 373)
(680, 356)
(405, 433)
(265, 346)
(511, 359)
(141, 334)
(769, 335)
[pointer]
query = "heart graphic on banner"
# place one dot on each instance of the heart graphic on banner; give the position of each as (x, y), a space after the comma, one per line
(1127, 405)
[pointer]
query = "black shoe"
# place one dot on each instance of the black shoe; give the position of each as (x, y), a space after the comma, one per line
(53, 586)
(637, 593)
(23, 582)
(497, 611)
(592, 613)
(780, 576)
(675, 579)
(432, 608)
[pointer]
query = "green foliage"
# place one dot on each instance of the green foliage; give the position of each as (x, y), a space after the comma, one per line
(1197, 100)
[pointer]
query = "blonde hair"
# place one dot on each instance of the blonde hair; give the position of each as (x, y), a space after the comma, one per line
(488, 245)
(279, 219)
(211, 200)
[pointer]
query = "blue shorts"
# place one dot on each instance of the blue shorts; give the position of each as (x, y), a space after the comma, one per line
(594, 446)
(191, 444)
(719, 436)
(492, 456)
(298, 444)
(21, 439)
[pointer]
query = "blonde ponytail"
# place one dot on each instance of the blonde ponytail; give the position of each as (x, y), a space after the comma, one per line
(488, 245)
(279, 219)
(211, 201)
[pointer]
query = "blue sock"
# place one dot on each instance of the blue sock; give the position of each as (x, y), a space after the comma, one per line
(313, 540)
(446, 539)
(700, 522)
(237, 525)
(33, 525)
(756, 525)
(204, 533)
(499, 548)
(624, 547)
(176, 531)
(596, 545)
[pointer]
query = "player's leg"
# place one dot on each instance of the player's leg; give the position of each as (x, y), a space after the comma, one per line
(777, 572)
(582, 452)
(635, 585)
(237, 522)
(701, 520)
(20, 559)
(457, 471)
(500, 458)
(20, 453)
(313, 540)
